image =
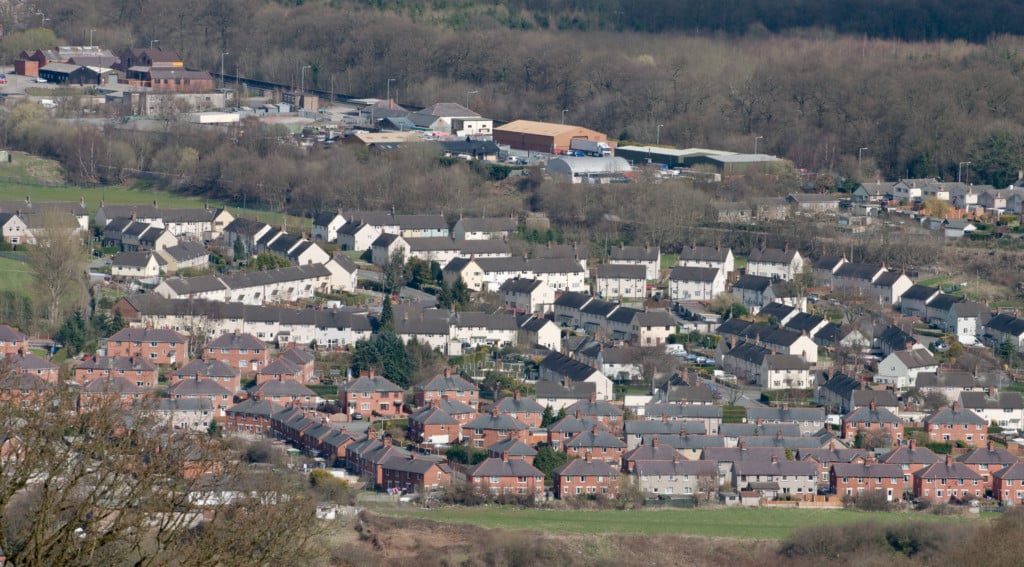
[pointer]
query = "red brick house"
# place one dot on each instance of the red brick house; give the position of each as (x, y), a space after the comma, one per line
(213, 370)
(288, 392)
(873, 421)
(12, 341)
(514, 448)
(954, 424)
(987, 460)
(432, 426)
(463, 413)
(304, 360)
(506, 476)
(858, 479)
(654, 451)
(947, 480)
(1008, 484)
(606, 414)
(910, 458)
(370, 396)
(250, 417)
(279, 369)
(569, 427)
(26, 390)
(825, 458)
(526, 410)
(490, 428)
(32, 364)
(598, 443)
(138, 370)
(586, 477)
(241, 351)
(218, 395)
(454, 387)
(159, 346)
(107, 391)
(413, 474)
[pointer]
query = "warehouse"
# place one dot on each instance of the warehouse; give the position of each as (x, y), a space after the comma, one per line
(590, 169)
(543, 136)
(66, 74)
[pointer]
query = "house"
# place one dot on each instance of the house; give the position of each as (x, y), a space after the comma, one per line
(326, 226)
(814, 203)
(893, 339)
(12, 341)
(652, 451)
(432, 426)
(754, 292)
(1005, 328)
(447, 385)
(825, 457)
(715, 257)
(387, 246)
(184, 255)
(586, 477)
(867, 478)
(538, 332)
(241, 351)
(1006, 409)
(605, 413)
(285, 391)
(498, 476)
(598, 443)
(1008, 484)
(966, 319)
(108, 392)
(825, 268)
(987, 460)
(135, 265)
(875, 422)
(218, 395)
(137, 370)
(516, 450)
(523, 295)
(556, 367)
(810, 420)
(13, 229)
(910, 458)
(213, 370)
(647, 256)
(890, 286)
(949, 383)
(782, 341)
(949, 480)
(957, 228)
(901, 368)
(678, 477)
(620, 281)
(193, 415)
(356, 235)
(279, 369)
(914, 300)
(775, 264)
(27, 363)
(486, 228)
(690, 283)
(526, 410)
(370, 396)
(708, 415)
(652, 328)
(775, 478)
(478, 329)
(159, 346)
(560, 396)
(467, 271)
(562, 274)
(422, 226)
(196, 224)
(568, 308)
(413, 474)
(490, 428)
(855, 278)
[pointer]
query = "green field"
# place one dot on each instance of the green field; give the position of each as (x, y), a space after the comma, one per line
(14, 276)
(746, 523)
(668, 261)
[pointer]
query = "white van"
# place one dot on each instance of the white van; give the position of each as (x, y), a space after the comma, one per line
(47, 103)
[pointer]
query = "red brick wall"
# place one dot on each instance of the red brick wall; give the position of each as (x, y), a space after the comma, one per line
(952, 433)
(162, 353)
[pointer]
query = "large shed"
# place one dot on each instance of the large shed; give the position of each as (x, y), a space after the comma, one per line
(64, 73)
(543, 136)
(590, 169)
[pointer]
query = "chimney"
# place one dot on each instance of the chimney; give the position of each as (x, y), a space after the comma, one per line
(565, 382)
(589, 456)
(412, 455)
(515, 395)
(778, 434)
(775, 459)
(949, 459)
(387, 441)
(654, 442)
(494, 410)
(664, 417)
(596, 429)
(912, 444)
(682, 431)
(675, 457)
(504, 456)
(579, 413)
(785, 406)
(991, 446)
(759, 421)
(593, 397)
(956, 406)
(447, 372)
(871, 405)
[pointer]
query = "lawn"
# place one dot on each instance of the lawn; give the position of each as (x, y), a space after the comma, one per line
(14, 276)
(746, 523)
(669, 261)
(932, 282)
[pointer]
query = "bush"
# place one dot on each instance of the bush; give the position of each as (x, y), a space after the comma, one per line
(330, 488)
(262, 452)
(874, 501)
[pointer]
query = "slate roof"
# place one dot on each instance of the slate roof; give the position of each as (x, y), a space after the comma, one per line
(918, 292)
(573, 300)
(804, 322)
(654, 318)
(676, 427)
(703, 254)
(572, 424)
(888, 279)
(562, 365)
(111, 385)
(474, 319)
(635, 253)
(916, 358)
(1013, 471)
(944, 301)
(832, 454)
(200, 387)
(677, 467)
(148, 335)
(1002, 400)
(989, 455)
(519, 285)
(777, 310)
(784, 414)
(368, 384)
(944, 469)
(600, 438)
(693, 274)
(259, 408)
(584, 467)
(743, 453)
(754, 283)
(681, 411)
(280, 366)
(945, 379)
(777, 468)
(829, 263)
(125, 363)
(556, 390)
(759, 430)
(882, 398)
(514, 448)
(895, 338)
(489, 224)
(236, 341)
(186, 250)
(500, 468)
(909, 455)
(622, 271)
(858, 271)
(1008, 324)
(443, 382)
(432, 416)
(518, 405)
(867, 470)
(771, 256)
(842, 385)
(500, 422)
(867, 415)
(11, 335)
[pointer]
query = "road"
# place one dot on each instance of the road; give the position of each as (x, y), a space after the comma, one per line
(748, 397)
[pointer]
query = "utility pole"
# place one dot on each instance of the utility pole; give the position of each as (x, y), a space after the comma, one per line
(756, 138)
(564, 110)
(222, 69)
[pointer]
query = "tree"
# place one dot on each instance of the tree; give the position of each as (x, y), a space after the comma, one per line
(74, 334)
(548, 459)
(239, 250)
(393, 273)
(57, 262)
(548, 417)
(387, 315)
(937, 208)
(384, 352)
(728, 306)
(268, 261)
(84, 488)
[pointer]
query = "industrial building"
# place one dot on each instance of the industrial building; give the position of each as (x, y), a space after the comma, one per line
(544, 137)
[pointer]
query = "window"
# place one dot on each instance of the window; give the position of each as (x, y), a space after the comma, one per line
(494, 480)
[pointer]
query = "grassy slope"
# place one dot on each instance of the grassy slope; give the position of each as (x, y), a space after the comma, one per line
(14, 276)
(746, 523)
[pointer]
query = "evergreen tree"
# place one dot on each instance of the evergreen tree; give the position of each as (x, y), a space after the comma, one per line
(547, 460)
(548, 417)
(117, 323)
(239, 251)
(387, 315)
(385, 353)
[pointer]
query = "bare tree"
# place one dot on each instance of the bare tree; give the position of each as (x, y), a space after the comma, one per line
(58, 262)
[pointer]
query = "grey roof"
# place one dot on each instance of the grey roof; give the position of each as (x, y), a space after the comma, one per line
(189, 404)
(785, 414)
(280, 366)
(585, 467)
(653, 451)
(868, 415)
(500, 468)
(260, 408)
(562, 365)
(693, 274)
(368, 384)
(673, 427)
(148, 335)
(635, 253)
(857, 271)
(703, 254)
(1002, 400)
(681, 411)
(970, 309)
(749, 352)
(831, 454)
(945, 379)
(412, 464)
(1014, 471)
(123, 363)
(195, 285)
(556, 390)
(920, 293)
(186, 250)
(686, 442)
(916, 358)
(777, 310)
(560, 251)
(759, 430)
(432, 416)
(771, 255)
(518, 405)
(112, 385)
(909, 455)
(500, 422)
(514, 448)
(888, 279)
(625, 315)
(489, 224)
(28, 361)
(200, 387)
(751, 282)
(422, 222)
(881, 398)
(943, 469)
(654, 318)
(786, 362)
(944, 301)
(743, 453)
(895, 338)
(235, 341)
(600, 308)
(842, 385)
(785, 442)
(573, 300)
(475, 319)
(449, 110)
(445, 382)
(867, 470)
(804, 322)
(829, 263)
(131, 259)
(989, 455)
(599, 438)
(572, 424)
(10, 334)
(676, 467)
(1006, 323)
(622, 271)
(776, 468)
(519, 285)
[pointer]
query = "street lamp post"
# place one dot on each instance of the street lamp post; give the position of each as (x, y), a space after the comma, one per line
(469, 95)
(960, 168)
(564, 110)
(222, 69)
(756, 138)
(152, 41)
(302, 79)
(90, 37)
(859, 152)
(389, 92)
(657, 135)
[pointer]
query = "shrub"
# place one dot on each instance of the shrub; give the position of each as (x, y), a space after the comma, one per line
(330, 488)
(874, 501)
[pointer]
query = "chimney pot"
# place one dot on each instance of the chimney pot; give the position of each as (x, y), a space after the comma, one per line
(654, 442)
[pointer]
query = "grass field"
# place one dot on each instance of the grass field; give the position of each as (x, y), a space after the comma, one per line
(668, 261)
(14, 276)
(745, 523)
